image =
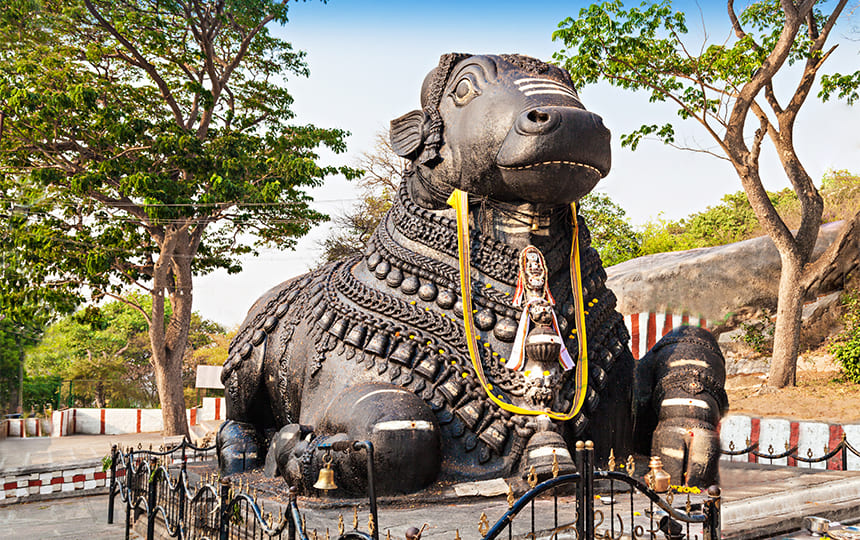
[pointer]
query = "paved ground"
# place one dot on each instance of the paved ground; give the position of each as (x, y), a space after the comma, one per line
(17, 452)
(80, 518)
(758, 500)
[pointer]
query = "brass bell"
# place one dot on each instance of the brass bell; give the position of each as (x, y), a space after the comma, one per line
(325, 481)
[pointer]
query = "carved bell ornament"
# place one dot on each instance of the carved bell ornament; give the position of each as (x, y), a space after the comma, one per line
(657, 478)
(542, 346)
(325, 480)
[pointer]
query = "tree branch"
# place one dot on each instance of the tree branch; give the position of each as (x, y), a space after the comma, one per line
(141, 61)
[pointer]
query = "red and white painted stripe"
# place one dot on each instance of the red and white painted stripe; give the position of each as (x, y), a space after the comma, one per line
(776, 435)
(106, 421)
(27, 484)
(647, 328)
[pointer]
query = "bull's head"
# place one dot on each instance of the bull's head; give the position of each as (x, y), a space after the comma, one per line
(508, 127)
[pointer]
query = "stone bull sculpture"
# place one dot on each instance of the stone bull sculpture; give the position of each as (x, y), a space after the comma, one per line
(382, 347)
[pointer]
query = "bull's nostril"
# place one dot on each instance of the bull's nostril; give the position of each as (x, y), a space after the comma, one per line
(538, 117)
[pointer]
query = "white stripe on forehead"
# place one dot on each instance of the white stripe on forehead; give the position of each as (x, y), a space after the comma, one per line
(552, 91)
(525, 80)
(534, 86)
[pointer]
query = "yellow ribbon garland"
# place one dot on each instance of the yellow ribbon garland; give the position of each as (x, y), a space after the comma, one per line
(459, 200)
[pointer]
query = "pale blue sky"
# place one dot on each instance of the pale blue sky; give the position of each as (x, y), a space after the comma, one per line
(367, 61)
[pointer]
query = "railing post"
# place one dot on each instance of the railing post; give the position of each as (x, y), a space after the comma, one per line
(224, 512)
(589, 490)
(844, 451)
(580, 491)
(182, 485)
(713, 525)
(291, 522)
(129, 492)
(371, 485)
(151, 499)
(112, 492)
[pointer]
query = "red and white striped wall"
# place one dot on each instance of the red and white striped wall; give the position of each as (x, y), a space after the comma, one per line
(213, 409)
(813, 439)
(647, 328)
(106, 421)
(27, 484)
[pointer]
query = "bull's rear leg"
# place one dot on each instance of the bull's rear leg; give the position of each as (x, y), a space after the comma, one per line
(402, 428)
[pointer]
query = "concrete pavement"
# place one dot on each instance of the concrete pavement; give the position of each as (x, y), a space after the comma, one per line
(25, 453)
(757, 500)
(80, 518)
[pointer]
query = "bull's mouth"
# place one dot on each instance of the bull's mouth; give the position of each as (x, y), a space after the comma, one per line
(550, 182)
(547, 164)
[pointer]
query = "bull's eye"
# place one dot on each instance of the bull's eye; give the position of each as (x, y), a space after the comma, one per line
(465, 90)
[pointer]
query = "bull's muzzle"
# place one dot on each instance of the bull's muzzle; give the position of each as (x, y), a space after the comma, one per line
(554, 154)
(546, 134)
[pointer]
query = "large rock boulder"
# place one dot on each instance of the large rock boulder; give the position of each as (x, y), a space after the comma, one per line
(717, 281)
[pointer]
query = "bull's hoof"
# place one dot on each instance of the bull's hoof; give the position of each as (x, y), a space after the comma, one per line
(238, 447)
(282, 448)
(690, 454)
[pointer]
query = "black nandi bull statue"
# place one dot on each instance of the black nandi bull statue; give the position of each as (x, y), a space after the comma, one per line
(377, 347)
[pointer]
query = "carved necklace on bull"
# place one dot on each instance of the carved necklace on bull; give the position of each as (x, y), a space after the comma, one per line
(538, 337)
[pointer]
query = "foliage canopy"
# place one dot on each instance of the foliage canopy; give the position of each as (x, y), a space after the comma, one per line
(157, 134)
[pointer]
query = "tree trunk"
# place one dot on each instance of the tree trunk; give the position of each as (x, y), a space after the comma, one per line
(786, 338)
(168, 380)
(19, 405)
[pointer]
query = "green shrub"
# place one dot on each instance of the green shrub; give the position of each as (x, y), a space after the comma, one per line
(846, 348)
(41, 391)
(758, 335)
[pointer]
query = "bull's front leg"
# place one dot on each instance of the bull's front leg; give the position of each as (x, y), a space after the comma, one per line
(680, 399)
(402, 428)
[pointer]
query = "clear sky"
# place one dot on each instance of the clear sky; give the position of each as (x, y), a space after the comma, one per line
(367, 61)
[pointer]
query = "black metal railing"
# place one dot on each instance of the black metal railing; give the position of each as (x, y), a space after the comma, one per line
(210, 508)
(621, 518)
(839, 454)
(218, 509)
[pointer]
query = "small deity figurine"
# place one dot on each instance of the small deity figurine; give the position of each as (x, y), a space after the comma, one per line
(538, 343)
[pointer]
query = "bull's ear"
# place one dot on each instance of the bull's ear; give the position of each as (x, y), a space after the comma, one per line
(407, 134)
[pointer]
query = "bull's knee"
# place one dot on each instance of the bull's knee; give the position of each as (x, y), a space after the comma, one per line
(238, 447)
(404, 433)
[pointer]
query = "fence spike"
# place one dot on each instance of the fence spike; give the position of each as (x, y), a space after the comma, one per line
(631, 465)
(456, 534)
(355, 517)
(371, 526)
(483, 524)
(340, 527)
(511, 499)
(326, 534)
(611, 459)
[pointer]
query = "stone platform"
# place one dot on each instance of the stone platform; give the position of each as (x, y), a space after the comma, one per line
(758, 501)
